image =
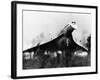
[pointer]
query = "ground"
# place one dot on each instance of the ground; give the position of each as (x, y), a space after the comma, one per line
(60, 60)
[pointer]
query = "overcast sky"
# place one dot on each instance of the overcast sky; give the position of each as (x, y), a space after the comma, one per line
(45, 23)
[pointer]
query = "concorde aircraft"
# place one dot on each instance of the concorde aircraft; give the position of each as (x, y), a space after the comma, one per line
(62, 48)
(64, 40)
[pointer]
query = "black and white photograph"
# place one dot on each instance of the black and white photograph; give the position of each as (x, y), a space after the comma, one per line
(54, 39)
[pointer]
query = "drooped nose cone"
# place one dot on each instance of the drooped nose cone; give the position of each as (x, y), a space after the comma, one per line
(68, 29)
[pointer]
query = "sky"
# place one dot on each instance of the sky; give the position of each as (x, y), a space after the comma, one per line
(41, 26)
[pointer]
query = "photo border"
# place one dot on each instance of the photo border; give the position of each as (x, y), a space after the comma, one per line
(14, 38)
